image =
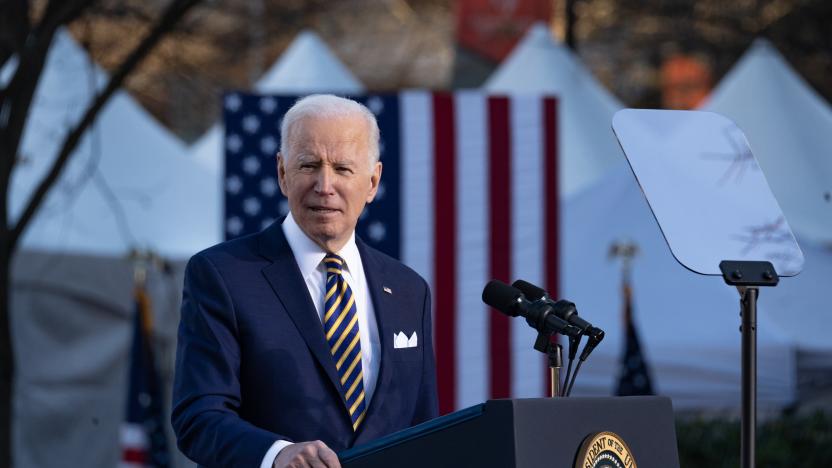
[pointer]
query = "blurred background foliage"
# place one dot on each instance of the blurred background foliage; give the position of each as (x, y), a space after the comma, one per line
(396, 44)
(792, 440)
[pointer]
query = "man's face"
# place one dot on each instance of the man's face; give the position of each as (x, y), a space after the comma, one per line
(327, 177)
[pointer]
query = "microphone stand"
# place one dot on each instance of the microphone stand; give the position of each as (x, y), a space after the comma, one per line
(554, 352)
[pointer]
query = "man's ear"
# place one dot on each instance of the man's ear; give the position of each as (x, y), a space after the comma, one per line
(281, 173)
(375, 178)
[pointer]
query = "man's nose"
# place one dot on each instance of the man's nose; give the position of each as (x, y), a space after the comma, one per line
(324, 183)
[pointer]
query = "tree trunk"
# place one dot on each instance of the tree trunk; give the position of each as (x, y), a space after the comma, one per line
(6, 355)
(15, 101)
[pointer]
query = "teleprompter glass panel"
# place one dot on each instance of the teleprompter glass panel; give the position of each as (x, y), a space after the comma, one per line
(706, 190)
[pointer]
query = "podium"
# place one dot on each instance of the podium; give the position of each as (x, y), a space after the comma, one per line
(528, 433)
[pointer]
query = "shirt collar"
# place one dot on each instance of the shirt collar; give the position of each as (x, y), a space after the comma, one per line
(309, 255)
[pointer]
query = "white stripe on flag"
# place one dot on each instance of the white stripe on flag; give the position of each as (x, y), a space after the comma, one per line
(416, 165)
(527, 209)
(124, 464)
(133, 435)
(471, 249)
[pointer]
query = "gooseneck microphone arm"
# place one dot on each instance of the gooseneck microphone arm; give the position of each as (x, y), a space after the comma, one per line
(595, 337)
(574, 343)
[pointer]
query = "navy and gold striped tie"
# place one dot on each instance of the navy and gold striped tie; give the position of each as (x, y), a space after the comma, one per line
(341, 328)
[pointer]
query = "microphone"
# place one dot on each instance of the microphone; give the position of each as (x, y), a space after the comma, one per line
(540, 315)
(565, 309)
(568, 312)
(535, 293)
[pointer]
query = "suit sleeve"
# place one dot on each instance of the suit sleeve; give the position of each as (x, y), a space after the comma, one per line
(206, 388)
(427, 406)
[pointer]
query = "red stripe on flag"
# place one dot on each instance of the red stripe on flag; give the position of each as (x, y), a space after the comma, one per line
(134, 455)
(500, 242)
(551, 176)
(444, 274)
(551, 199)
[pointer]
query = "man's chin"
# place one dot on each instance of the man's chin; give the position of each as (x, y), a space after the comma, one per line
(327, 235)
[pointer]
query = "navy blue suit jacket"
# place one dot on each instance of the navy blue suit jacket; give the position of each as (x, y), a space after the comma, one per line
(253, 365)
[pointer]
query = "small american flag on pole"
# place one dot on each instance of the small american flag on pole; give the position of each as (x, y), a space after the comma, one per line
(634, 373)
(142, 435)
(468, 193)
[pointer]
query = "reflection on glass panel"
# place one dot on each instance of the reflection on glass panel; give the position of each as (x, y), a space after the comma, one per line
(706, 189)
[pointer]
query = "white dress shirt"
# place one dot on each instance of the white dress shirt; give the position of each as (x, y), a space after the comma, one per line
(309, 257)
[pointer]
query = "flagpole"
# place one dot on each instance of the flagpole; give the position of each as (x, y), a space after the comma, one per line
(626, 251)
(634, 375)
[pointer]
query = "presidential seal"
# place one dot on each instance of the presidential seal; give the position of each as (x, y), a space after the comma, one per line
(604, 450)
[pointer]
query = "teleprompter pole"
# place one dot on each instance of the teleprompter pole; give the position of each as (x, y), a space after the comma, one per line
(747, 276)
(748, 432)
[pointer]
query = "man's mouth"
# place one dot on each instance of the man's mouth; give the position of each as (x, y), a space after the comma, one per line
(323, 209)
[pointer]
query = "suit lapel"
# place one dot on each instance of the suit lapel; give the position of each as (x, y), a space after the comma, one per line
(383, 304)
(285, 279)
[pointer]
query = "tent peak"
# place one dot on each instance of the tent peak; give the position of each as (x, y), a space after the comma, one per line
(308, 65)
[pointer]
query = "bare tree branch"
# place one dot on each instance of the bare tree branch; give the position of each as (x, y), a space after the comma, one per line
(16, 99)
(14, 27)
(174, 12)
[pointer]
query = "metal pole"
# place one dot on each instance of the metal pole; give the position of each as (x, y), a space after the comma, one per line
(748, 429)
(571, 19)
(555, 353)
(554, 384)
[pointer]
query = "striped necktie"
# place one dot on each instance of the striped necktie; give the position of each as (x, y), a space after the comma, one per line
(341, 328)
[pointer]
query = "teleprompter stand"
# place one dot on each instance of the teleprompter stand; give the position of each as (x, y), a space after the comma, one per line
(712, 202)
(748, 276)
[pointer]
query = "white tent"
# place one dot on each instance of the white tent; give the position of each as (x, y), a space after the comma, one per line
(129, 183)
(688, 324)
(789, 127)
(307, 66)
(539, 65)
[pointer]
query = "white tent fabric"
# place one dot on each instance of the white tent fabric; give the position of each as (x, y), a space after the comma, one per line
(307, 66)
(789, 127)
(687, 323)
(72, 319)
(539, 65)
(128, 185)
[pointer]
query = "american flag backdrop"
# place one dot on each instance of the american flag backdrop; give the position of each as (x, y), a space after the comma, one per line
(468, 193)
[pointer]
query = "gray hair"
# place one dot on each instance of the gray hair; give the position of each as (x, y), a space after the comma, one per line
(329, 105)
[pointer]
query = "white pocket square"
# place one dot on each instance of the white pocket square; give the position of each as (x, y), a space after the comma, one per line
(400, 340)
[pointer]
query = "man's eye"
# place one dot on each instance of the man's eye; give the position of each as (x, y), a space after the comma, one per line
(344, 170)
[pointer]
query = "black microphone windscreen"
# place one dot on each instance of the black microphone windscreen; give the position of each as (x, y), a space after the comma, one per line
(501, 297)
(529, 290)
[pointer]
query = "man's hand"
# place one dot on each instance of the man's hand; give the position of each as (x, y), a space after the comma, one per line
(307, 454)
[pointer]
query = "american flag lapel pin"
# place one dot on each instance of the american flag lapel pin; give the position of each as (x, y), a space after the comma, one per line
(387, 290)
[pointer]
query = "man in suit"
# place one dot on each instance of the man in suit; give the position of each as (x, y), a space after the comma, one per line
(301, 340)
